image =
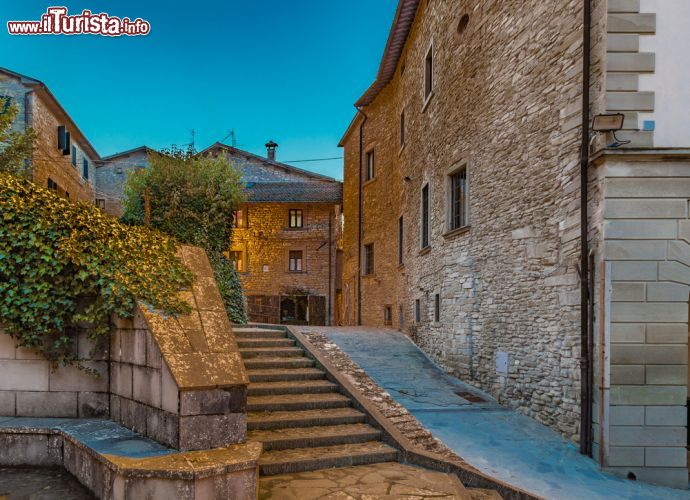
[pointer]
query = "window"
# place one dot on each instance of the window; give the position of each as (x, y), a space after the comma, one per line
(52, 184)
(296, 218)
(100, 203)
(429, 73)
(237, 259)
(370, 170)
(437, 308)
(402, 128)
(417, 311)
(458, 198)
(425, 216)
(5, 103)
(296, 261)
(74, 156)
(387, 315)
(237, 219)
(63, 140)
(401, 241)
(368, 259)
(85, 168)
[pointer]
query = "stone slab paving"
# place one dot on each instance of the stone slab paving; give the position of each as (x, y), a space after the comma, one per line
(40, 484)
(366, 482)
(422, 402)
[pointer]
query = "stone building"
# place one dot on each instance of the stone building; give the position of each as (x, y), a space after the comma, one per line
(462, 196)
(284, 237)
(63, 158)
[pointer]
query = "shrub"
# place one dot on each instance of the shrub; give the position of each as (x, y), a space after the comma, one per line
(15, 146)
(54, 253)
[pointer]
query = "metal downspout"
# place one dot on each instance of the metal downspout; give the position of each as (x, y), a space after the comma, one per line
(359, 217)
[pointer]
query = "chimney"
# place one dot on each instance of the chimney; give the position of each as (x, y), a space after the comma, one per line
(271, 150)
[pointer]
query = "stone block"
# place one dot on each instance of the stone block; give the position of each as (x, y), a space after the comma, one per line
(679, 250)
(640, 229)
(158, 488)
(647, 436)
(133, 346)
(656, 312)
(7, 404)
(93, 349)
(627, 332)
(133, 415)
(146, 385)
(627, 415)
(632, 23)
(170, 394)
(629, 101)
(623, 6)
(674, 272)
(645, 208)
(163, 427)
(238, 485)
(666, 416)
(71, 378)
(211, 402)
(24, 353)
(115, 350)
(665, 457)
(668, 292)
(671, 333)
(121, 379)
(153, 353)
(627, 375)
(643, 187)
(122, 323)
(24, 375)
(636, 395)
(47, 404)
(7, 344)
(667, 374)
(646, 354)
(115, 405)
(93, 405)
(623, 43)
(637, 138)
(634, 271)
(626, 455)
(628, 292)
(663, 476)
(212, 431)
(36, 450)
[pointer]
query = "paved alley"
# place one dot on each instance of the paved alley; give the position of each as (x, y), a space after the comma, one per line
(492, 438)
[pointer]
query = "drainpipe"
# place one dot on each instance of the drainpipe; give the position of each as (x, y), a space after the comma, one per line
(359, 217)
(329, 322)
(585, 331)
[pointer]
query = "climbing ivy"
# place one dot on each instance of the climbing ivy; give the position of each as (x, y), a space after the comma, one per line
(64, 265)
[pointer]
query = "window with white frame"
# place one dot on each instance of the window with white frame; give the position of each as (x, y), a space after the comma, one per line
(296, 261)
(296, 218)
(370, 171)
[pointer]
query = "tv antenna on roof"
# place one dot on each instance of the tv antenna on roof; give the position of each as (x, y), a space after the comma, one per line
(193, 132)
(232, 136)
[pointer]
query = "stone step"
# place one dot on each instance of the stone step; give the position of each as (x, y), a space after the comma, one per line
(304, 418)
(277, 362)
(275, 352)
(284, 375)
(257, 333)
(287, 402)
(270, 342)
(290, 387)
(325, 457)
(311, 437)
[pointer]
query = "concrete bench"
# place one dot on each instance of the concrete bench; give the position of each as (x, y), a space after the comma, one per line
(117, 463)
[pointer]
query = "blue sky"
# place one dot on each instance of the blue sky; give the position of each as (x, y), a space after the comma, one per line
(273, 69)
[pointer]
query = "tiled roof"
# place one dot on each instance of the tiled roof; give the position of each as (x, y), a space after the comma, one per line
(287, 192)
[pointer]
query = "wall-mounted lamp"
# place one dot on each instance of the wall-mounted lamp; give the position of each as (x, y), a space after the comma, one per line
(608, 123)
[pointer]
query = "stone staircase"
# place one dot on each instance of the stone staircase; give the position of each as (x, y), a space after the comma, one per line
(304, 423)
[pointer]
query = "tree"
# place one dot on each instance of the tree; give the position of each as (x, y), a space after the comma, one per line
(16, 147)
(192, 198)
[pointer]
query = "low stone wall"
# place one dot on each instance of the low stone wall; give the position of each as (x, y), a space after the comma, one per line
(28, 387)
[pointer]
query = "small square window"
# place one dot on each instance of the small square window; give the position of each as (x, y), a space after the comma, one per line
(387, 315)
(296, 264)
(296, 219)
(370, 172)
(237, 259)
(237, 219)
(368, 259)
(100, 203)
(52, 184)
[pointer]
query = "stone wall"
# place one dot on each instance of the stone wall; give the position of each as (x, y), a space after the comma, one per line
(643, 276)
(111, 177)
(266, 240)
(30, 388)
(506, 106)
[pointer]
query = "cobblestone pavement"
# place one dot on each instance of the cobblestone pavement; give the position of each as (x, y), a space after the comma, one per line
(40, 484)
(366, 482)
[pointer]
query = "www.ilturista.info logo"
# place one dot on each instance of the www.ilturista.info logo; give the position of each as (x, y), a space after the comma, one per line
(56, 21)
